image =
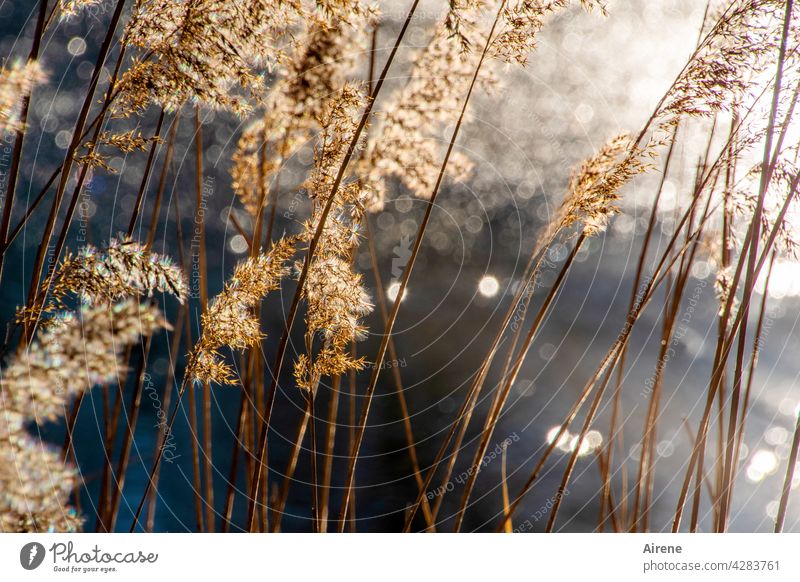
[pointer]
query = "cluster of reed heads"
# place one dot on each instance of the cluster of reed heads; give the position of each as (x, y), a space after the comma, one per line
(290, 70)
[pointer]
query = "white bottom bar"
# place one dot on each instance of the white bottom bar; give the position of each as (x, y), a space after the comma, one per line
(380, 557)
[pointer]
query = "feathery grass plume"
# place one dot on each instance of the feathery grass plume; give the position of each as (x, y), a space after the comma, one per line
(341, 9)
(16, 82)
(200, 50)
(730, 57)
(712, 80)
(125, 268)
(335, 296)
(317, 68)
(722, 288)
(125, 142)
(593, 190)
(521, 22)
(744, 198)
(403, 143)
(459, 21)
(36, 487)
(71, 353)
(258, 155)
(230, 320)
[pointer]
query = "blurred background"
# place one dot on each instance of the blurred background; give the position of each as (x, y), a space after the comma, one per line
(591, 77)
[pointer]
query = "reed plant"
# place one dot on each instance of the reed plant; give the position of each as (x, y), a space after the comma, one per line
(299, 77)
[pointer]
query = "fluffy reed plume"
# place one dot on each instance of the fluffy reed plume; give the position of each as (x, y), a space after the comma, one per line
(125, 142)
(719, 73)
(36, 486)
(744, 198)
(341, 9)
(521, 22)
(728, 60)
(335, 295)
(69, 355)
(403, 145)
(125, 268)
(200, 50)
(594, 188)
(73, 352)
(459, 21)
(722, 287)
(230, 320)
(16, 82)
(317, 68)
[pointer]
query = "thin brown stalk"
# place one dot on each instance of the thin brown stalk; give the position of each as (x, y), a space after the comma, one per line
(362, 425)
(504, 487)
(127, 439)
(166, 398)
(31, 208)
(327, 465)
(690, 240)
(616, 408)
(34, 296)
(722, 523)
(647, 459)
(464, 417)
(154, 470)
(673, 295)
(508, 382)
(787, 481)
(574, 456)
(611, 358)
(722, 350)
(283, 492)
(351, 433)
(312, 436)
(200, 230)
(155, 141)
(518, 305)
(192, 404)
(162, 179)
(109, 425)
(241, 423)
(261, 454)
(754, 353)
(396, 377)
(16, 154)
